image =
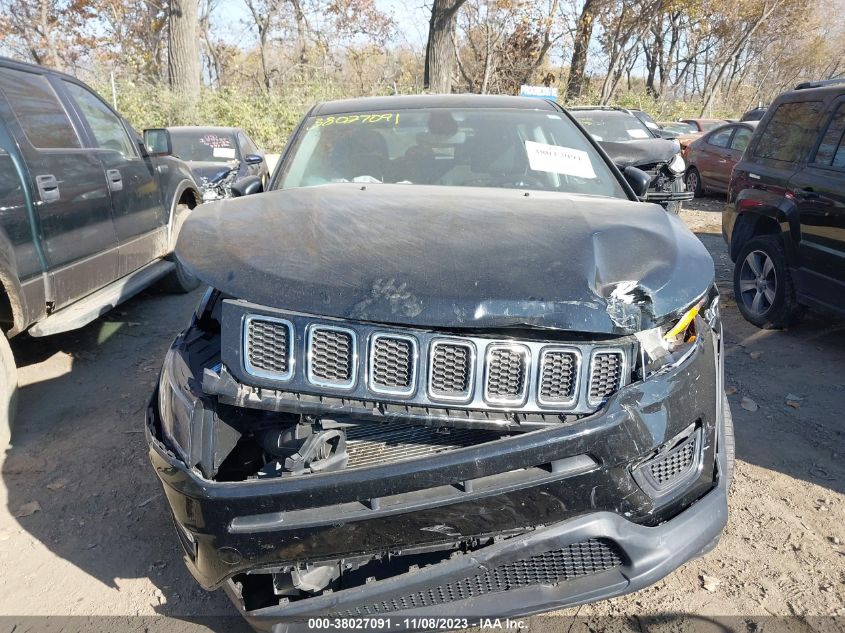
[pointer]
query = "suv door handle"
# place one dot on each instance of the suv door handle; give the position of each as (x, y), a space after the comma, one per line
(807, 193)
(115, 179)
(48, 187)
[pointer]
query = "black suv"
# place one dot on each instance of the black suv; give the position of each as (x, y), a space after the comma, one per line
(785, 221)
(88, 217)
(449, 363)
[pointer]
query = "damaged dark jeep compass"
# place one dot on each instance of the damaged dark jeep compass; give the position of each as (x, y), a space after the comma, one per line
(448, 364)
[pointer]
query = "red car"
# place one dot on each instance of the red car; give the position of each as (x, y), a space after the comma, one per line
(711, 158)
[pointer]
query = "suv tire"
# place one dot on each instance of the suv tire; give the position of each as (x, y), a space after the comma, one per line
(8, 390)
(765, 294)
(692, 179)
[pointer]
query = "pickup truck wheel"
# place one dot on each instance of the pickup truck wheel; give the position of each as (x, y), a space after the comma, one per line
(763, 286)
(8, 391)
(693, 181)
(179, 281)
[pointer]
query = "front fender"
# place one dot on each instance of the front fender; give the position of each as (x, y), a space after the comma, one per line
(11, 286)
(175, 180)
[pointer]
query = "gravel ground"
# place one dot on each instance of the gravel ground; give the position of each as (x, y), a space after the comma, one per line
(84, 528)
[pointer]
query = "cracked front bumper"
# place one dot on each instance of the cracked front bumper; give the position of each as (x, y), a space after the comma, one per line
(534, 493)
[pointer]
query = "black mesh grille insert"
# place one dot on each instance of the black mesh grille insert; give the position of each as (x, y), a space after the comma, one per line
(392, 363)
(506, 372)
(450, 369)
(371, 444)
(675, 463)
(267, 346)
(549, 568)
(606, 376)
(331, 355)
(558, 376)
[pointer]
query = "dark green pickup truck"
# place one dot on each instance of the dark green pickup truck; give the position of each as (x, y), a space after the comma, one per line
(88, 217)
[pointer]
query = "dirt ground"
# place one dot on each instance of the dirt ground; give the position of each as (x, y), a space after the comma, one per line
(84, 526)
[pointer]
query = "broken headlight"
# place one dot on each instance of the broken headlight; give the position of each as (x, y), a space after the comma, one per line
(677, 165)
(178, 407)
(673, 343)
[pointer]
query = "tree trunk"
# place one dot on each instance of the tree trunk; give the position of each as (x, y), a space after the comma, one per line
(183, 55)
(583, 33)
(440, 50)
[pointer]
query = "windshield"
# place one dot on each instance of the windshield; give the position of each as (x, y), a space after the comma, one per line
(612, 126)
(202, 145)
(679, 127)
(522, 149)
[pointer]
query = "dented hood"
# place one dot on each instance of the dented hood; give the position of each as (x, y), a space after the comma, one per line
(642, 151)
(450, 257)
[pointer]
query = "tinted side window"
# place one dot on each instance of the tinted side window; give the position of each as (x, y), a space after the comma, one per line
(38, 110)
(790, 132)
(721, 138)
(740, 139)
(831, 148)
(107, 128)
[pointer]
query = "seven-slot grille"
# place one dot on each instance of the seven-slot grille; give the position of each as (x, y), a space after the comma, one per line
(507, 369)
(605, 375)
(450, 372)
(331, 356)
(558, 376)
(269, 348)
(393, 364)
(425, 369)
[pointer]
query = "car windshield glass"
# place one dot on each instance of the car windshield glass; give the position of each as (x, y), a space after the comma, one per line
(520, 149)
(203, 145)
(706, 126)
(612, 126)
(680, 128)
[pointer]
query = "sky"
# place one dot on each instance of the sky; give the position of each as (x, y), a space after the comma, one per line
(233, 21)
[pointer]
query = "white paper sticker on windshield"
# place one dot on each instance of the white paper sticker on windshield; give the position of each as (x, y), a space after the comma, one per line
(559, 160)
(223, 152)
(637, 133)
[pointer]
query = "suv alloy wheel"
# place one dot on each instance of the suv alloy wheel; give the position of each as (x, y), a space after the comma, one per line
(763, 286)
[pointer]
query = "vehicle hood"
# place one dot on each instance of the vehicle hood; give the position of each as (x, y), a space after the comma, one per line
(449, 257)
(210, 170)
(641, 151)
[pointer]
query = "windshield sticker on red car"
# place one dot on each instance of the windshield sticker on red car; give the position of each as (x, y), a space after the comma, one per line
(559, 160)
(348, 119)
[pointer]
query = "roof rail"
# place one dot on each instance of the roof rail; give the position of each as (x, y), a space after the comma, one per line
(819, 84)
(596, 107)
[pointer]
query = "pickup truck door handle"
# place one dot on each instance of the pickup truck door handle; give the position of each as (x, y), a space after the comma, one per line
(115, 179)
(807, 193)
(48, 187)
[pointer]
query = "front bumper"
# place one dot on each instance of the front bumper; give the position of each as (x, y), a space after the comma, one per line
(544, 490)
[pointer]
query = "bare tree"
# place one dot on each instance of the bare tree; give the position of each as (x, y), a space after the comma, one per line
(183, 56)
(440, 50)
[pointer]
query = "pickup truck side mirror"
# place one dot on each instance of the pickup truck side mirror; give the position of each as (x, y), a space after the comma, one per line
(247, 186)
(157, 141)
(638, 179)
(253, 159)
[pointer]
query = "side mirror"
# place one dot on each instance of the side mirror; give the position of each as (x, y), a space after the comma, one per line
(637, 179)
(157, 141)
(247, 186)
(253, 159)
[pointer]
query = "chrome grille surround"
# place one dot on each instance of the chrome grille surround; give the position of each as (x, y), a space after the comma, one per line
(604, 379)
(321, 367)
(251, 324)
(550, 376)
(437, 367)
(376, 372)
(506, 374)
(442, 398)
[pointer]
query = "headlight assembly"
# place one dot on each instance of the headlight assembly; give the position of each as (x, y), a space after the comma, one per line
(677, 164)
(669, 344)
(178, 408)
